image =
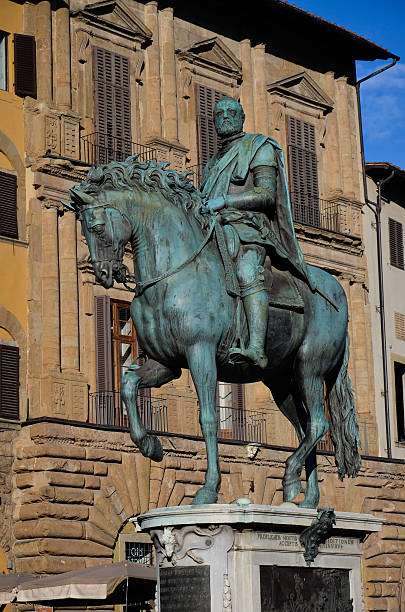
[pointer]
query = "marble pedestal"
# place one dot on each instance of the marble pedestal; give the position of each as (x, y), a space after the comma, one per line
(240, 558)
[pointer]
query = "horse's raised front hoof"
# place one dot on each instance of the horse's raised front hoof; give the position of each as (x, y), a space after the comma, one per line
(291, 490)
(151, 447)
(205, 496)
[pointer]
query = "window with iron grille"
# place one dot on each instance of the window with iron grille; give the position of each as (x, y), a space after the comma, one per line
(9, 382)
(207, 135)
(396, 241)
(303, 171)
(139, 552)
(8, 205)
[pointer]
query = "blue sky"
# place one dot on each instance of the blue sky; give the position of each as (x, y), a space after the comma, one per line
(382, 97)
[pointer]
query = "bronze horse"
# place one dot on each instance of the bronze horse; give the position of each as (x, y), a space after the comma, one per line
(185, 318)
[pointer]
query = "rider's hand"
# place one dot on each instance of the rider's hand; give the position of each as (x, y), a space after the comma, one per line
(213, 205)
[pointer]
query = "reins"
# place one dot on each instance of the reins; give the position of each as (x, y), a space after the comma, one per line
(140, 286)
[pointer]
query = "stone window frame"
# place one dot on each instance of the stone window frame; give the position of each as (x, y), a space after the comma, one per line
(88, 32)
(193, 68)
(10, 323)
(284, 100)
(10, 151)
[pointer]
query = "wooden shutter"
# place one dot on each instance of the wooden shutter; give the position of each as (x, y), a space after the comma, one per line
(238, 412)
(396, 240)
(25, 71)
(112, 105)
(9, 382)
(207, 136)
(103, 344)
(8, 205)
(303, 171)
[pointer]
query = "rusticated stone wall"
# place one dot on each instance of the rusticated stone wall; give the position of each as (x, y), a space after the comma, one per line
(8, 433)
(76, 487)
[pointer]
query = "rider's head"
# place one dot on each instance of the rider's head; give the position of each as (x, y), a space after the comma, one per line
(228, 117)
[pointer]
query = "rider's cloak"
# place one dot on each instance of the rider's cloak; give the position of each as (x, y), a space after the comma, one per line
(275, 229)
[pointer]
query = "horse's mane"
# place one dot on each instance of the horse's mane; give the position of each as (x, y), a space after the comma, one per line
(147, 176)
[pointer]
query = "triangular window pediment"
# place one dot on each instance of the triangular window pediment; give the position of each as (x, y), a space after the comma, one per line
(304, 87)
(212, 52)
(116, 16)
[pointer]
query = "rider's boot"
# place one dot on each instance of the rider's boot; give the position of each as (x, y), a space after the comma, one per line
(256, 307)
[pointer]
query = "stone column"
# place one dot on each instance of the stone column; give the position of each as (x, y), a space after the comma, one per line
(152, 74)
(259, 73)
(62, 84)
(50, 289)
(247, 86)
(44, 51)
(168, 75)
(68, 294)
(345, 137)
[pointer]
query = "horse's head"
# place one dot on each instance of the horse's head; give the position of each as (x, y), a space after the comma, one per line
(106, 229)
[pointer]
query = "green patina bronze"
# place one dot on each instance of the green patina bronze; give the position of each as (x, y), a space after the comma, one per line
(207, 298)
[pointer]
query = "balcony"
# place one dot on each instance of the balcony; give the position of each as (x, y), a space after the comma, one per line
(315, 212)
(242, 425)
(107, 408)
(98, 148)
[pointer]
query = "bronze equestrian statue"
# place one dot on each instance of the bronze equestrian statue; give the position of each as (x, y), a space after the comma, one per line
(246, 182)
(204, 301)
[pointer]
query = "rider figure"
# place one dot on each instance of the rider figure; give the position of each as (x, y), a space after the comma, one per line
(246, 182)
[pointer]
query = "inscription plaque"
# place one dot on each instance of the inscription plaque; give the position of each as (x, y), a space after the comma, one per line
(283, 589)
(185, 588)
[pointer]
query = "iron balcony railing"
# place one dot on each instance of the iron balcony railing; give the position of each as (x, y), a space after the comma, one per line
(241, 425)
(98, 148)
(311, 210)
(107, 408)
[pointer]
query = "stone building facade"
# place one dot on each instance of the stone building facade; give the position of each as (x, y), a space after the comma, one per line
(392, 222)
(115, 78)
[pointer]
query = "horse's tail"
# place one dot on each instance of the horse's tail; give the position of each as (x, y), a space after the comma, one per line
(344, 428)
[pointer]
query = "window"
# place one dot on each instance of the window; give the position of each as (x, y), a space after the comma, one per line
(124, 344)
(25, 71)
(396, 241)
(112, 102)
(399, 374)
(3, 61)
(231, 411)
(8, 205)
(303, 171)
(9, 382)
(116, 347)
(207, 136)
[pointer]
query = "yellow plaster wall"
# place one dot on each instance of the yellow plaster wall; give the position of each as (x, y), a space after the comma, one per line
(11, 106)
(13, 286)
(12, 256)
(4, 335)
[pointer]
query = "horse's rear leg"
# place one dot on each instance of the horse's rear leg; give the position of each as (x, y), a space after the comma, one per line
(311, 391)
(203, 368)
(151, 374)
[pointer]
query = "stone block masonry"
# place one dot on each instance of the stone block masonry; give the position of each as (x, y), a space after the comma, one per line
(76, 487)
